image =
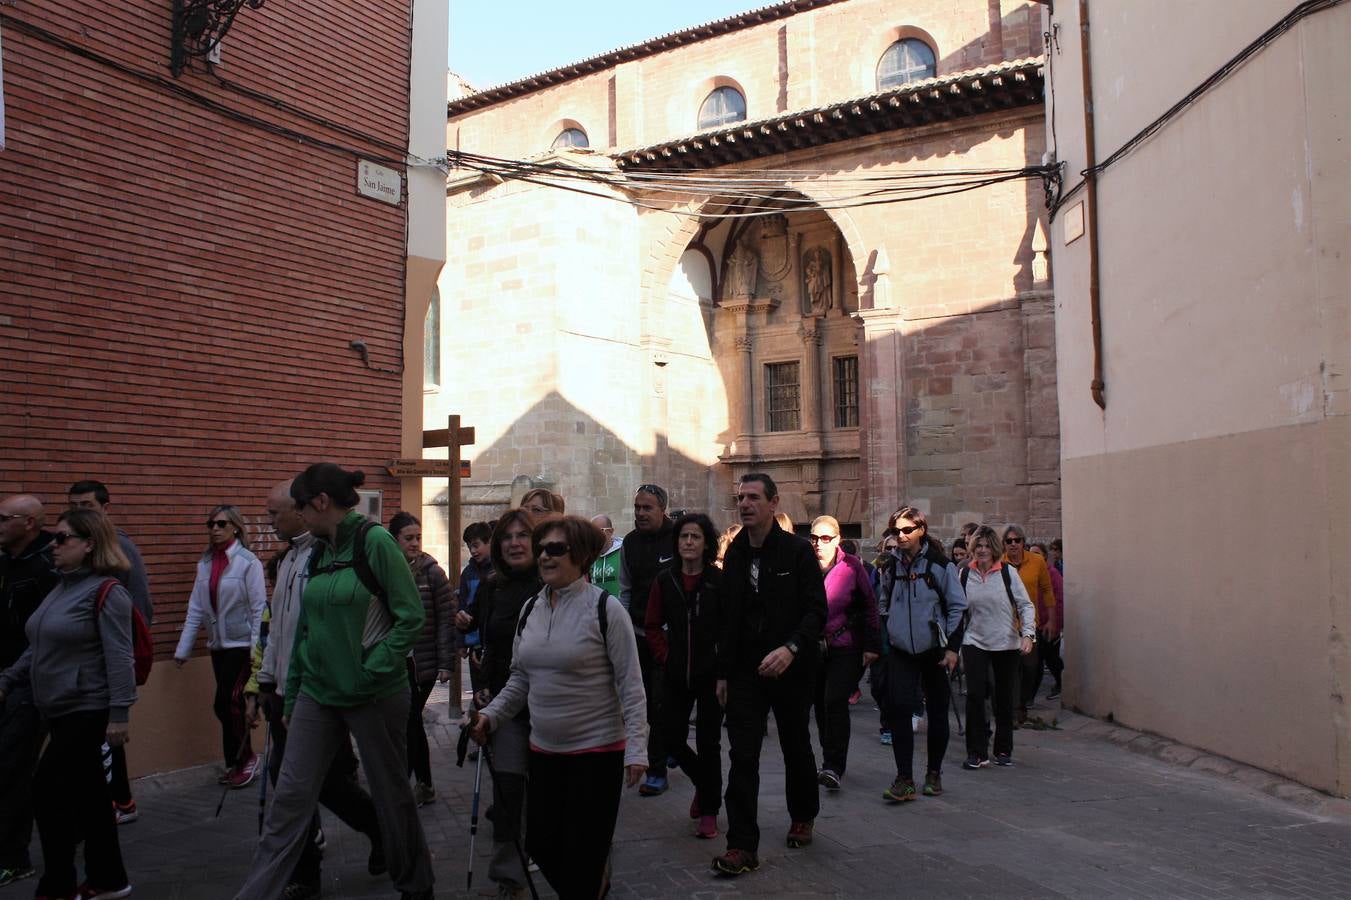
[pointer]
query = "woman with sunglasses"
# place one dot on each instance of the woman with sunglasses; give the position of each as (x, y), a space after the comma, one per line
(851, 643)
(1036, 578)
(497, 607)
(227, 600)
(924, 632)
(79, 666)
(1001, 626)
(588, 710)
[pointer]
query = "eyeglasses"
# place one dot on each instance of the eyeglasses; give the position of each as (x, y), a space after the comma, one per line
(1013, 540)
(908, 529)
(5, 517)
(218, 523)
(822, 538)
(60, 537)
(556, 549)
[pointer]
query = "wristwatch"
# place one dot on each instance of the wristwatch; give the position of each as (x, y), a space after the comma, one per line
(792, 647)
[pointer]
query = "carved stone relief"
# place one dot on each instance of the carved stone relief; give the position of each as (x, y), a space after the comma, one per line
(818, 282)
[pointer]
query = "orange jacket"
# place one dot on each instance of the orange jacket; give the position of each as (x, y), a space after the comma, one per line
(1037, 579)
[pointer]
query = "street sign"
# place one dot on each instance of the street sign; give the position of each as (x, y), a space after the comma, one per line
(440, 437)
(425, 468)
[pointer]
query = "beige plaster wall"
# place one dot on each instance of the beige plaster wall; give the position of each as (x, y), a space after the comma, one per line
(172, 725)
(1226, 326)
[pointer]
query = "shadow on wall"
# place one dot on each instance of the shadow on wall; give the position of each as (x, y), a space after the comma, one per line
(1020, 37)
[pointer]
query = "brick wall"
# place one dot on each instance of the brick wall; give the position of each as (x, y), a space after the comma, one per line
(178, 289)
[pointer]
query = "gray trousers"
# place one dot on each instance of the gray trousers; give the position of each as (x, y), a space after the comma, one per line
(380, 730)
(510, 745)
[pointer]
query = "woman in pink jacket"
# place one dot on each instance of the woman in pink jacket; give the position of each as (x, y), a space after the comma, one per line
(852, 641)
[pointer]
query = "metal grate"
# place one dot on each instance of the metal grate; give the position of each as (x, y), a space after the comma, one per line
(846, 392)
(783, 397)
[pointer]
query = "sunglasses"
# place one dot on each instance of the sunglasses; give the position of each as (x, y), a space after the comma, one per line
(1013, 540)
(60, 537)
(822, 538)
(556, 549)
(908, 529)
(5, 517)
(218, 523)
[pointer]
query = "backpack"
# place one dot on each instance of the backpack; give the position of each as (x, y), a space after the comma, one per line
(602, 616)
(359, 562)
(1008, 589)
(142, 644)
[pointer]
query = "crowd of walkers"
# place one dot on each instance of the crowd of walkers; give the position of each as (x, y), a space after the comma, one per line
(589, 658)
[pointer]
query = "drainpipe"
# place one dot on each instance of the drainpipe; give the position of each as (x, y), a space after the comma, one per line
(1097, 386)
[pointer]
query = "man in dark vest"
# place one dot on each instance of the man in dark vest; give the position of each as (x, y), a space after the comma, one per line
(646, 550)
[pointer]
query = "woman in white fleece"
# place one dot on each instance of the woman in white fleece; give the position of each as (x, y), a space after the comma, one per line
(588, 712)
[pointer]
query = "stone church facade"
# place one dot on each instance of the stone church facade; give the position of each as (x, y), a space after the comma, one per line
(740, 283)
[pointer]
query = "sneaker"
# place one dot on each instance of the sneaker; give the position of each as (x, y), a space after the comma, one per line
(16, 873)
(244, 775)
(375, 863)
(708, 827)
(695, 812)
(885, 738)
(828, 780)
(735, 862)
(933, 783)
(297, 890)
(653, 785)
(856, 696)
(320, 842)
(423, 794)
(975, 761)
(901, 790)
(226, 774)
(125, 813)
(1003, 759)
(92, 893)
(1055, 693)
(799, 835)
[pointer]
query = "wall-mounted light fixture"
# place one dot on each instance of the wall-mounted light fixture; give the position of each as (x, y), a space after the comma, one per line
(199, 26)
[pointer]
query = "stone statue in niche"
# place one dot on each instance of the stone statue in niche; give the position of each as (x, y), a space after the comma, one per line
(818, 282)
(742, 267)
(775, 259)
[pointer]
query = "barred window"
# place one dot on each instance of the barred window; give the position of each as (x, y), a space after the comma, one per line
(846, 392)
(783, 397)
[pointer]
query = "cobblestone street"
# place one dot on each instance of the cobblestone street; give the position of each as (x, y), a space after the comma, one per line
(1080, 815)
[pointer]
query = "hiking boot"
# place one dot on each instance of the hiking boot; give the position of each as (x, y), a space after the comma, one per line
(975, 761)
(125, 813)
(708, 827)
(244, 775)
(735, 862)
(653, 785)
(423, 793)
(901, 790)
(375, 863)
(885, 738)
(828, 780)
(799, 835)
(297, 890)
(15, 873)
(92, 893)
(1003, 759)
(933, 783)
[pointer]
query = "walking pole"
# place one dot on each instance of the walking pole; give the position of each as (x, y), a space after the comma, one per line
(952, 701)
(262, 788)
(473, 822)
(243, 749)
(520, 851)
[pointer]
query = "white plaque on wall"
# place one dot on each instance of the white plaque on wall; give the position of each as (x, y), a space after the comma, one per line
(379, 182)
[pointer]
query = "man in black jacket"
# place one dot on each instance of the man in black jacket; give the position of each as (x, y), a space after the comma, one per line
(646, 550)
(26, 577)
(774, 612)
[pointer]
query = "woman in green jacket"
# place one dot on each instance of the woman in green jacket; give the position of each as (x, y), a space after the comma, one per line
(360, 615)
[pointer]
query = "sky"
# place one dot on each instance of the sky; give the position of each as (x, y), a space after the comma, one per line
(500, 41)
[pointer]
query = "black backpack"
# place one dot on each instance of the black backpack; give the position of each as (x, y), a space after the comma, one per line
(359, 562)
(1008, 589)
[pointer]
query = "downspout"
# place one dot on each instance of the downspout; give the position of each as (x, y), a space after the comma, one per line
(1097, 386)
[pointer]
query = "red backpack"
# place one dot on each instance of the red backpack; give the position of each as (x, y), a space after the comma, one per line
(142, 645)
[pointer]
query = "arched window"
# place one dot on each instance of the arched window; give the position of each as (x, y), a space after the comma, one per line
(907, 60)
(723, 106)
(571, 137)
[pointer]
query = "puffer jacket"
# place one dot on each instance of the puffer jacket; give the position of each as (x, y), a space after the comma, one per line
(435, 646)
(926, 602)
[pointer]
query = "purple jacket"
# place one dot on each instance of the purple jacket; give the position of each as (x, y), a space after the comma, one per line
(851, 617)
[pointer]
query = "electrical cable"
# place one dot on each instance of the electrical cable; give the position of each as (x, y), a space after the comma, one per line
(1300, 12)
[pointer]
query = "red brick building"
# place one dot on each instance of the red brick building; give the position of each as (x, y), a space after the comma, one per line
(186, 265)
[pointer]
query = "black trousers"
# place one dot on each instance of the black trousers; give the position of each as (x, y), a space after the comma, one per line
(1044, 651)
(21, 734)
(571, 807)
(419, 753)
(652, 684)
(877, 686)
(231, 667)
(704, 763)
(71, 798)
(750, 700)
(979, 664)
(342, 794)
(119, 785)
(909, 677)
(839, 675)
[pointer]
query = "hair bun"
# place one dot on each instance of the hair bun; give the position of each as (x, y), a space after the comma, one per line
(357, 478)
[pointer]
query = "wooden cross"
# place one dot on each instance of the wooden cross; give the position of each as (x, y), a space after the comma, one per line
(453, 438)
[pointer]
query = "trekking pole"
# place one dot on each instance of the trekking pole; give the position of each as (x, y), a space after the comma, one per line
(520, 851)
(262, 788)
(463, 746)
(952, 701)
(244, 747)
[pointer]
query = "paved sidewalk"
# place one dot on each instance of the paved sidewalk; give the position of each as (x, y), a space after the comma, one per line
(1079, 815)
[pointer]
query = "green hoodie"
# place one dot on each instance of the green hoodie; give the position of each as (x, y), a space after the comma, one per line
(347, 652)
